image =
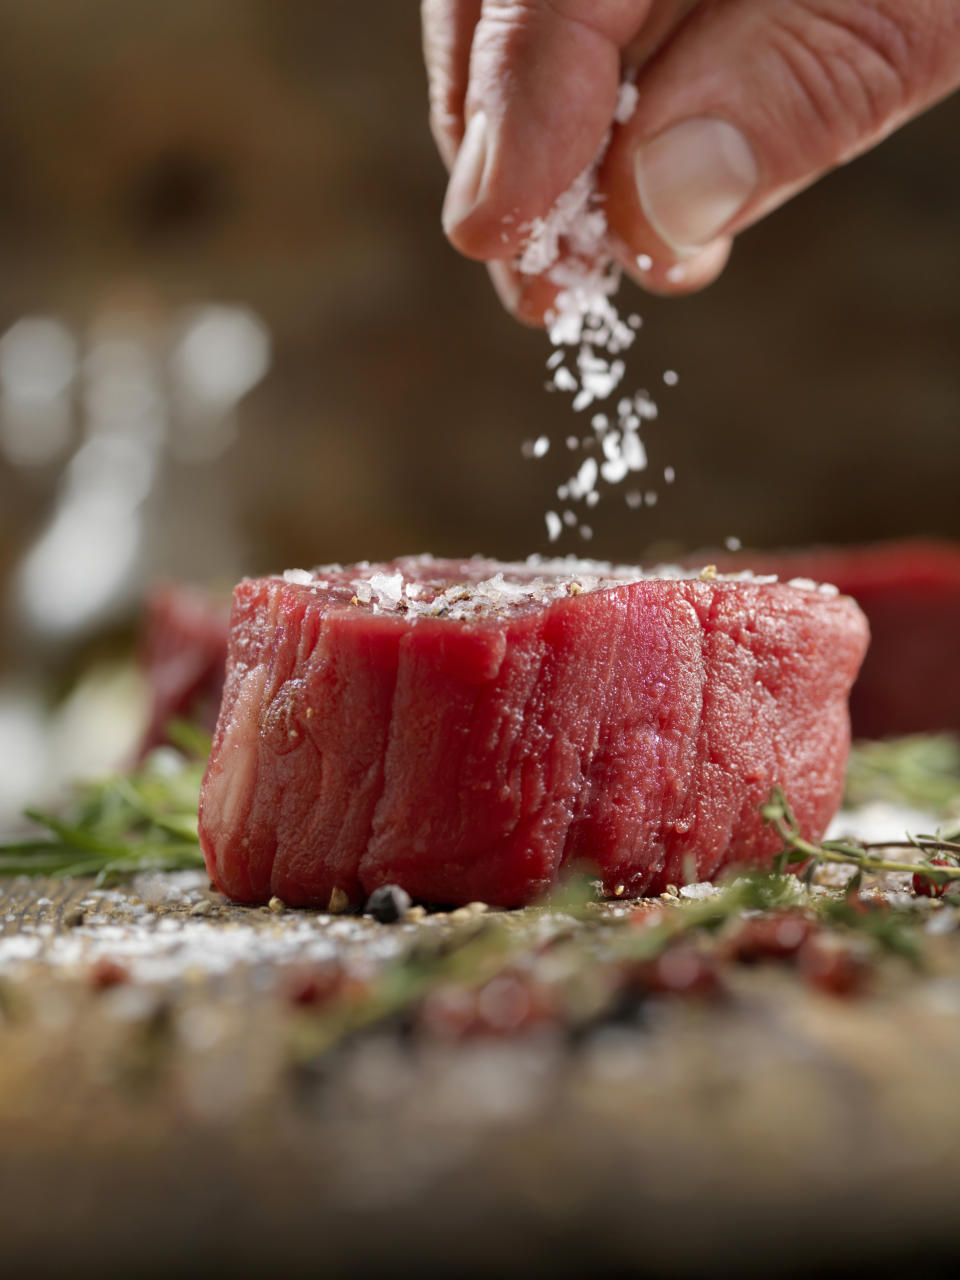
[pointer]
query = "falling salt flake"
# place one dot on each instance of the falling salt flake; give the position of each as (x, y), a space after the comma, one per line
(634, 454)
(570, 247)
(669, 475)
(732, 543)
(569, 519)
(626, 102)
(634, 499)
(302, 577)
(541, 446)
(610, 444)
(554, 526)
(586, 533)
(614, 470)
(650, 498)
(671, 377)
(677, 273)
(585, 479)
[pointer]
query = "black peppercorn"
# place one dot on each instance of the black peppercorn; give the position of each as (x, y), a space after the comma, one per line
(388, 903)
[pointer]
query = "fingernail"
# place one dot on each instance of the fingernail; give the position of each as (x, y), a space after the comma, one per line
(466, 179)
(692, 179)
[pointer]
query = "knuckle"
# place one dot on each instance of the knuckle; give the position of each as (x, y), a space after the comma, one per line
(855, 64)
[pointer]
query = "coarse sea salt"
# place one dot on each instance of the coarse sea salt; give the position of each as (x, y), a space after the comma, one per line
(569, 247)
(416, 589)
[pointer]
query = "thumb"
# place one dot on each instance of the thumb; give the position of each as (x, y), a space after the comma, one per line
(749, 103)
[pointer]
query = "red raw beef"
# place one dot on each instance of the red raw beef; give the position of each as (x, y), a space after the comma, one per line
(510, 720)
(183, 652)
(910, 592)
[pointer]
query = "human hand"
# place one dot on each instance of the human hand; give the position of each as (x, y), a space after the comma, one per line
(740, 105)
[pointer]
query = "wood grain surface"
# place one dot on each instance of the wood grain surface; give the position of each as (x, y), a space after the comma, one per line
(174, 1117)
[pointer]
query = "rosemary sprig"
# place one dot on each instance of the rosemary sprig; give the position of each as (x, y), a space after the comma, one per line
(145, 820)
(796, 850)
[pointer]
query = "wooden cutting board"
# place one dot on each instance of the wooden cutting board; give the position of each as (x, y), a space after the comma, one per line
(179, 1117)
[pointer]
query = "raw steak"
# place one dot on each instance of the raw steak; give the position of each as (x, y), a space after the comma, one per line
(467, 729)
(910, 592)
(183, 653)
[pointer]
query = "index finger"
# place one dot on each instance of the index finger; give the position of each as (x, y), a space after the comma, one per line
(448, 27)
(543, 82)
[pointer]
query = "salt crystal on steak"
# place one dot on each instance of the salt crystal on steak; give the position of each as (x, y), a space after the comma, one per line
(504, 722)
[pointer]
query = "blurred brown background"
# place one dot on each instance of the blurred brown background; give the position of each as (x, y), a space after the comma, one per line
(255, 348)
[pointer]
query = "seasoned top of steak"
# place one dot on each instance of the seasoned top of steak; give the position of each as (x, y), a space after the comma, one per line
(469, 590)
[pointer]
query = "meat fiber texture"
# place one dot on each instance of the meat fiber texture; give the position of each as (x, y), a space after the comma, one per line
(183, 652)
(469, 730)
(910, 592)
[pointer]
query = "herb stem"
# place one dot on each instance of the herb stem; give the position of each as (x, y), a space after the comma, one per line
(796, 849)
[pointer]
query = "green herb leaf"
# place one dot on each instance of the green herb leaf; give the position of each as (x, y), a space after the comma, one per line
(145, 820)
(922, 771)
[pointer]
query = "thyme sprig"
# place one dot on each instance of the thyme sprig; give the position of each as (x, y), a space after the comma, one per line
(860, 854)
(145, 820)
